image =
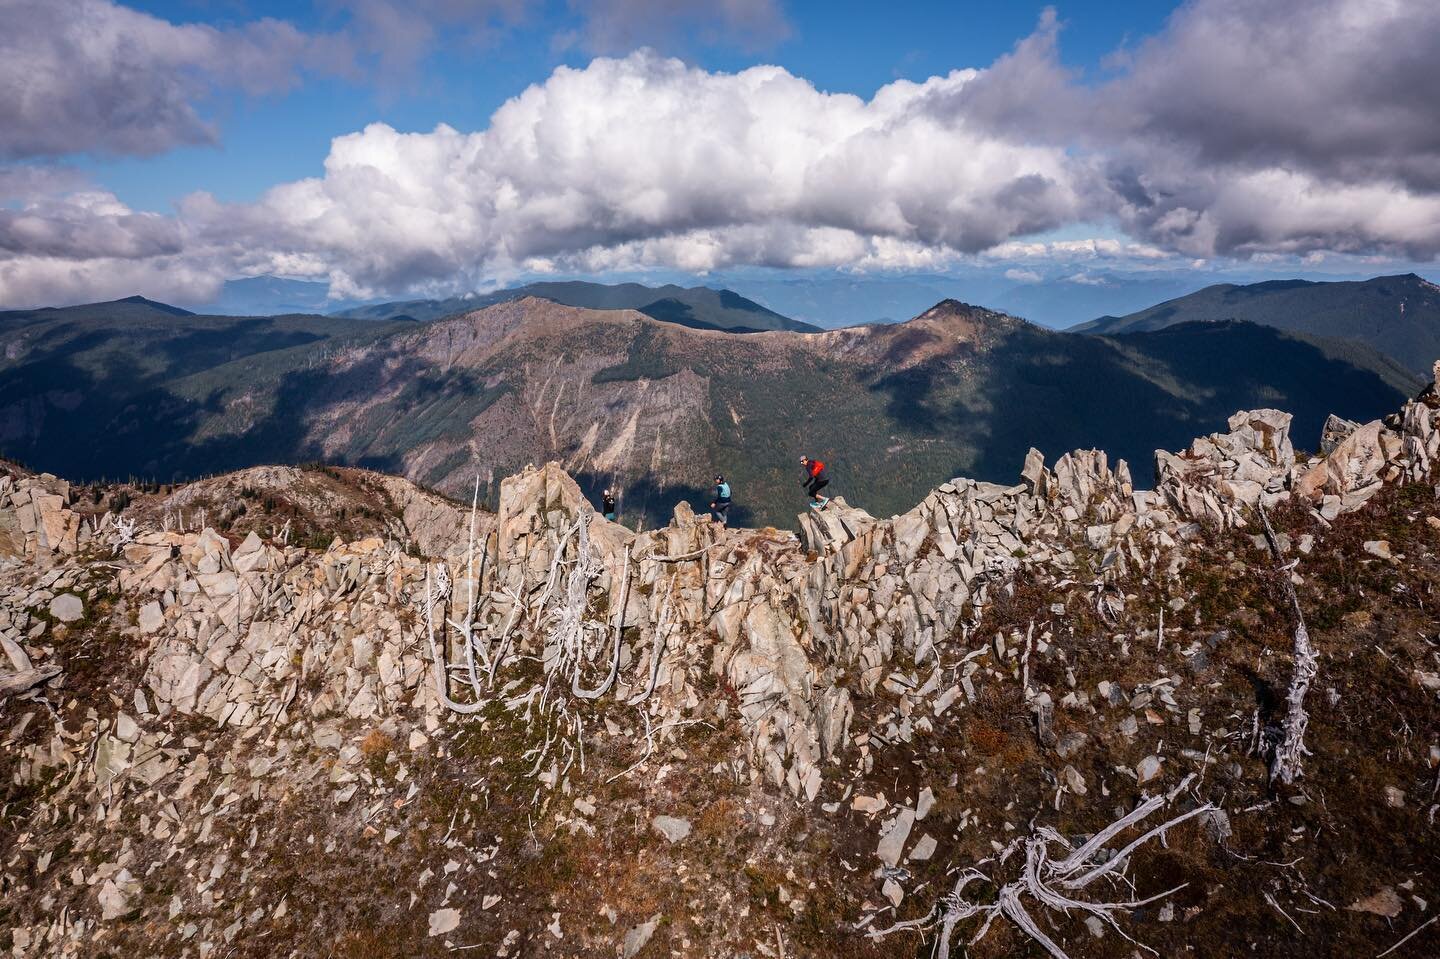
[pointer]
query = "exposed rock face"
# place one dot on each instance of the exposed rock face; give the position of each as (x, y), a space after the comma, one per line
(1334, 433)
(1248, 465)
(255, 636)
(34, 519)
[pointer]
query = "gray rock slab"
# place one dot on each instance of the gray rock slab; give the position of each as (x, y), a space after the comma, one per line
(671, 827)
(67, 607)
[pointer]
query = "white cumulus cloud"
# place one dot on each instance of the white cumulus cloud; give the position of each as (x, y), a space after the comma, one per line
(1243, 127)
(645, 159)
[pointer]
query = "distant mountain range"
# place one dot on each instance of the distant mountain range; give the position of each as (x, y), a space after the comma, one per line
(824, 299)
(1397, 315)
(834, 301)
(697, 307)
(817, 299)
(139, 388)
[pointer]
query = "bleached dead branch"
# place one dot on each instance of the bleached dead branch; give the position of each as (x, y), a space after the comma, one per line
(657, 651)
(683, 557)
(576, 685)
(124, 534)
(437, 658)
(580, 651)
(517, 607)
(1046, 881)
(1290, 749)
(465, 626)
(1407, 938)
(439, 590)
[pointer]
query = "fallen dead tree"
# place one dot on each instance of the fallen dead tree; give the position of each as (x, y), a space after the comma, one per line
(1046, 881)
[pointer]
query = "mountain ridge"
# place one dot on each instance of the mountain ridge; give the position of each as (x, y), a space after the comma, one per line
(698, 306)
(1397, 315)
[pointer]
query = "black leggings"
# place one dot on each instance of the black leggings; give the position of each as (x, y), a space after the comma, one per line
(718, 510)
(815, 485)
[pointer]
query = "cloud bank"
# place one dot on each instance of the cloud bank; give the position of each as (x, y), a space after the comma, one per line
(91, 76)
(1292, 128)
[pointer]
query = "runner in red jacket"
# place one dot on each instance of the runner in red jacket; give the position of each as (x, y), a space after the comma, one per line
(815, 480)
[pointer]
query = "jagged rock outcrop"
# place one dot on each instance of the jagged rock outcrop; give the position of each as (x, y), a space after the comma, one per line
(389, 506)
(856, 593)
(791, 636)
(35, 522)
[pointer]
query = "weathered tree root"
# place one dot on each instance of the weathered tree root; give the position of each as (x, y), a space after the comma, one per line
(442, 683)
(576, 688)
(1043, 878)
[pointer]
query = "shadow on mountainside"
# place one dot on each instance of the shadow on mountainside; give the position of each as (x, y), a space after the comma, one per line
(643, 501)
(1127, 395)
(90, 402)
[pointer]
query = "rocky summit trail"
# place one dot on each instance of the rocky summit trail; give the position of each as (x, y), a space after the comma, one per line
(328, 713)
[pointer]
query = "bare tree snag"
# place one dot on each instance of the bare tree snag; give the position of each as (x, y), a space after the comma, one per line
(1290, 750)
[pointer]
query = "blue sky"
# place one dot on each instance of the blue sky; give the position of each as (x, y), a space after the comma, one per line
(401, 148)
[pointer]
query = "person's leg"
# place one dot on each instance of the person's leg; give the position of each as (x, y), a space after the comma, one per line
(821, 483)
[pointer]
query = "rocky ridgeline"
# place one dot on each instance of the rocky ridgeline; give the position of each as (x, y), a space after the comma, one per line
(528, 612)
